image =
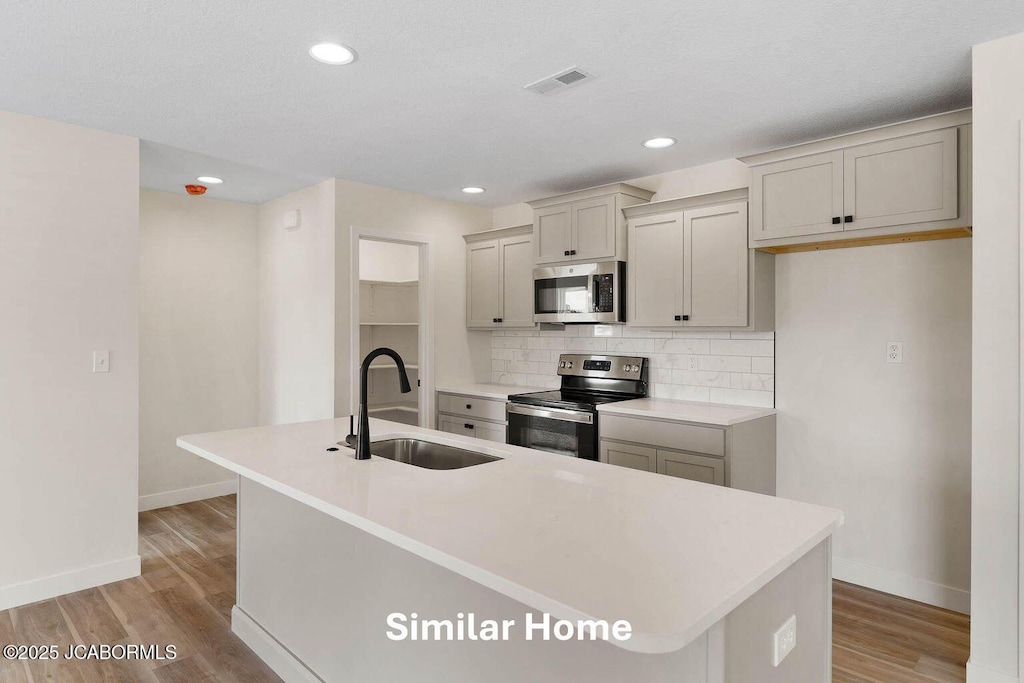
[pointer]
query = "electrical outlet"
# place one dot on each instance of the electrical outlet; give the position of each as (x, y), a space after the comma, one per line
(894, 352)
(784, 640)
(692, 363)
(101, 361)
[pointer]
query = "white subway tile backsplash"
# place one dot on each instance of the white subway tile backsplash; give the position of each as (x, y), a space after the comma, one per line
(720, 367)
(688, 346)
(743, 347)
(725, 363)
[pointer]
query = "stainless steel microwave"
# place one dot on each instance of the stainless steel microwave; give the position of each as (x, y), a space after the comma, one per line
(580, 293)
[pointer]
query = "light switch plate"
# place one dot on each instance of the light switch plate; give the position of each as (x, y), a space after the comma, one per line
(894, 352)
(101, 361)
(784, 640)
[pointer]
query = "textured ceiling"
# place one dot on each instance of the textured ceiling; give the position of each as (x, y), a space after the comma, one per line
(436, 101)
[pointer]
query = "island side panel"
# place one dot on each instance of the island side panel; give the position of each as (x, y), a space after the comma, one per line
(805, 589)
(323, 590)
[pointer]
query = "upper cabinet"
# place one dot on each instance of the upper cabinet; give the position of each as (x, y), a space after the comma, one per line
(499, 279)
(911, 178)
(584, 226)
(690, 266)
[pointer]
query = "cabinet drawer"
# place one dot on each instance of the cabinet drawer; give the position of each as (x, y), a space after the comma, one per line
(628, 455)
(690, 466)
(710, 440)
(483, 408)
(488, 431)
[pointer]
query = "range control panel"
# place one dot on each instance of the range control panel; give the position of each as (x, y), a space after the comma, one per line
(610, 367)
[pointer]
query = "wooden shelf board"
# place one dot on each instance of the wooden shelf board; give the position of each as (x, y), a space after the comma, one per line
(924, 236)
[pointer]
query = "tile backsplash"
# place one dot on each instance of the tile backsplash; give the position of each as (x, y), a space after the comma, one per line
(717, 367)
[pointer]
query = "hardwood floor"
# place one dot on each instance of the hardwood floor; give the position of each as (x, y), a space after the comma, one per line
(187, 588)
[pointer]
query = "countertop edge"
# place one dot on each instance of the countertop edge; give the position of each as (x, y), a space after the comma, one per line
(639, 643)
(617, 408)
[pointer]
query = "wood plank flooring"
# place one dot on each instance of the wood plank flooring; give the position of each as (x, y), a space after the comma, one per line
(187, 587)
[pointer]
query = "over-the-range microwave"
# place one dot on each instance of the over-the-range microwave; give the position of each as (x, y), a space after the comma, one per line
(580, 293)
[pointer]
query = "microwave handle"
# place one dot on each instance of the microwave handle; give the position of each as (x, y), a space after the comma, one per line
(595, 294)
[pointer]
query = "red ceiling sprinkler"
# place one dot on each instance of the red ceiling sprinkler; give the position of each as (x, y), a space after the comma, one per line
(195, 190)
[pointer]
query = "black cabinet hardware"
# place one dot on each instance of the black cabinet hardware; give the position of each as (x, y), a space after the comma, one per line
(566, 252)
(572, 252)
(469, 406)
(498, 320)
(679, 317)
(468, 426)
(686, 317)
(836, 220)
(848, 219)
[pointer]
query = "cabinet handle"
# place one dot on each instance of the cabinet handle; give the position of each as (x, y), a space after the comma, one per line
(848, 219)
(469, 406)
(686, 317)
(566, 252)
(498, 320)
(467, 425)
(572, 252)
(836, 220)
(494, 320)
(679, 317)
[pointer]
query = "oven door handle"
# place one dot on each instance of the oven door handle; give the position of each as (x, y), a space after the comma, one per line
(551, 413)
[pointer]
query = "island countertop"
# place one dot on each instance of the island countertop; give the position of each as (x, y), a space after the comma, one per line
(574, 538)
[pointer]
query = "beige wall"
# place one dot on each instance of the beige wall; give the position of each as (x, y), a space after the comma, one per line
(69, 226)
(459, 355)
(995, 603)
(296, 313)
(198, 334)
(889, 444)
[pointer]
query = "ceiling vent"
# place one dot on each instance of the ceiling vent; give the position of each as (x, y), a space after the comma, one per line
(560, 81)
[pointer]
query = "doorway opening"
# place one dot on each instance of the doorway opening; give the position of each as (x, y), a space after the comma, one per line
(390, 308)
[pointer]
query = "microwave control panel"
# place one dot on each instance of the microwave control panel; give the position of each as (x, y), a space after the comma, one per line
(604, 300)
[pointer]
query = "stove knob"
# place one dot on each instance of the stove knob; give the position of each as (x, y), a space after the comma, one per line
(636, 368)
(626, 368)
(569, 365)
(561, 363)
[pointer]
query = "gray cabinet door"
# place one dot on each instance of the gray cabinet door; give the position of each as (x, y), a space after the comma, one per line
(516, 265)
(802, 196)
(552, 236)
(488, 431)
(593, 224)
(483, 294)
(715, 266)
(629, 455)
(692, 466)
(912, 179)
(655, 271)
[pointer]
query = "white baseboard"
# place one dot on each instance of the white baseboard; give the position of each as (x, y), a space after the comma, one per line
(979, 674)
(903, 585)
(191, 494)
(279, 658)
(69, 582)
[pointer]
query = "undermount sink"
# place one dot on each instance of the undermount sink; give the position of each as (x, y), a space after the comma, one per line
(427, 454)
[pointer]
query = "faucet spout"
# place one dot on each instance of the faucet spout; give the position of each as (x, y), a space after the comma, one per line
(363, 435)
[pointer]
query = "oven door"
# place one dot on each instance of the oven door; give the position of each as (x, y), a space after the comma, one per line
(580, 293)
(565, 432)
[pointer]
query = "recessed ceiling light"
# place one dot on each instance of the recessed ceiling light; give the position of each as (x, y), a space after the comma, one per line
(473, 190)
(659, 143)
(209, 180)
(332, 53)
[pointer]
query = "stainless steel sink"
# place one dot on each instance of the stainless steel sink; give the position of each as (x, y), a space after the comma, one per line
(427, 454)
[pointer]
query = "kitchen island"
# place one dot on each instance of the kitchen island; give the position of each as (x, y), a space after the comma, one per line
(338, 559)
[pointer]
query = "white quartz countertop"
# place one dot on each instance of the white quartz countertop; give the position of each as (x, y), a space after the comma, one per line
(717, 414)
(495, 391)
(575, 538)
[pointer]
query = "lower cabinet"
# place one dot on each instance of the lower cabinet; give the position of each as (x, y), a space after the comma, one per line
(462, 415)
(709, 470)
(740, 456)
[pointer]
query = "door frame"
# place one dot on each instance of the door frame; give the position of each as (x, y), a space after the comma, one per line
(425, 332)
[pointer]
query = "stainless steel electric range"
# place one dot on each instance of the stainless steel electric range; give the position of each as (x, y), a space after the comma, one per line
(564, 420)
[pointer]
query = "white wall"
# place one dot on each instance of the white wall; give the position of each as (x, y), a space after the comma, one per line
(459, 355)
(296, 323)
(888, 444)
(388, 261)
(198, 334)
(995, 602)
(69, 218)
